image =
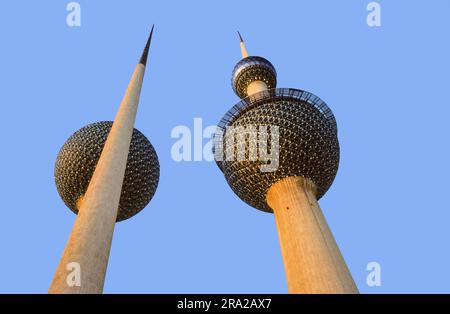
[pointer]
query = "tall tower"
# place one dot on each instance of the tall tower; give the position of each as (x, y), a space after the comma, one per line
(105, 172)
(307, 153)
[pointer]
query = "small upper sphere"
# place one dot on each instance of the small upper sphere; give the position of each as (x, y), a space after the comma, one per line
(302, 125)
(252, 69)
(78, 158)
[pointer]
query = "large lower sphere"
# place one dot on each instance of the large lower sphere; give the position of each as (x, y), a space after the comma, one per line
(308, 143)
(78, 158)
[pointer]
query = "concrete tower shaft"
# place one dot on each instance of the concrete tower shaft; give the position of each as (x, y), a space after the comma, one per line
(90, 240)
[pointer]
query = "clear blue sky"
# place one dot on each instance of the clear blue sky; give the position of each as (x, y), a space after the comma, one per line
(387, 87)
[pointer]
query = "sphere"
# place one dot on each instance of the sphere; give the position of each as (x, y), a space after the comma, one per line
(78, 158)
(252, 69)
(307, 137)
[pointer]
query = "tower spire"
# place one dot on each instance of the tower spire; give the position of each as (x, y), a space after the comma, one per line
(89, 243)
(242, 44)
(144, 56)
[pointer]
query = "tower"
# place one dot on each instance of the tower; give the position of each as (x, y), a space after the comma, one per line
(307, 152)
(105, 172)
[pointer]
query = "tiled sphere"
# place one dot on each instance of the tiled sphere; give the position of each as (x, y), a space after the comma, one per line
(78, 158)
(252, 69)
(308, 143)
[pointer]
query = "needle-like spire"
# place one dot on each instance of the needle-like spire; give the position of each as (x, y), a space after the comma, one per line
(243, 49)
(147, 47)
(240, 37)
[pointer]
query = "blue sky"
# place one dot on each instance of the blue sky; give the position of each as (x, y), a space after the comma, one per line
(386, 86)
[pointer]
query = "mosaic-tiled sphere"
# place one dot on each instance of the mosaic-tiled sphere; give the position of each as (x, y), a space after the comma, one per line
(308, 143)
(78, 158)
(252, 69)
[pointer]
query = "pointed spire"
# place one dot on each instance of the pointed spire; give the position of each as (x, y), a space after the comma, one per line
(243, 49)
(144, 56)
(240, 37)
